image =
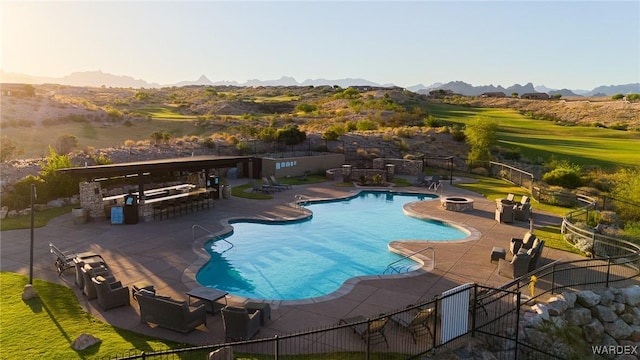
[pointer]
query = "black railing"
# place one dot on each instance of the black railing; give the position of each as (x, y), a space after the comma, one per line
(490, 311)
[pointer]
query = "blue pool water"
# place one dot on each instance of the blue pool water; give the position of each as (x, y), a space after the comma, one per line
(312, 258)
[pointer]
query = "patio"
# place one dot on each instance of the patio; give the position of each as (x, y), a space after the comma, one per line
(165, 255)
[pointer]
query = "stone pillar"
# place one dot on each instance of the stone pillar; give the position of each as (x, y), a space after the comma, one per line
(391, 169)
(91, 199)
(346, 173)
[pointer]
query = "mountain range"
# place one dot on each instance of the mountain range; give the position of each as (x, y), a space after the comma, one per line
(99, 78)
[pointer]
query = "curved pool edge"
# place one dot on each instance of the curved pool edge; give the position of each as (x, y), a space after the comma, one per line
(189, 274)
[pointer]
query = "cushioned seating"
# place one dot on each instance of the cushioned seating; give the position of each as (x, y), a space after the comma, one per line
(110, 294)
(518, 266)
(239, 323)
(169, 313)
(526, 241)
(90, 271)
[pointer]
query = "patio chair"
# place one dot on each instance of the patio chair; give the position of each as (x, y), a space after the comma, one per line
(368, 330)
(90, 271)
(434, 183)
(522, 210)
(275, 182)
(266, 183)
(239, 323)
(525, 242)
(260, 188)
(64, 259)
(110, 294)
(518, 266)
(504, 213)
(415, 322)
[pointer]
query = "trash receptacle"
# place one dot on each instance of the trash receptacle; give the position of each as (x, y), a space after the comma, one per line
(214, 183)
(131, 209)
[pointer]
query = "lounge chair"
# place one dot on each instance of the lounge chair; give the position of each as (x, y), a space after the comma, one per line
(517, 267)
(266, 183)
(260, 188)
(275, 182)
(420, 180)
(90, 271)
(415, 322)
(522, 210)
(64, 259)
(368, 330)
(434, 183)
(239, 323)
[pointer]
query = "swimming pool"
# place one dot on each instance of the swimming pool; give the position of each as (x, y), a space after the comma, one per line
(304, 259)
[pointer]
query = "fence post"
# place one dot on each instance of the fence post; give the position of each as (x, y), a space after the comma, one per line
(276, 347)
(553, 278)
(608, 270)
(473, 310)
(144, 355)
(368, 339)
(435, 322)
(517, 322)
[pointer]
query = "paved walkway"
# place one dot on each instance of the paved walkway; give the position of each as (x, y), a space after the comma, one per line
(164, 253)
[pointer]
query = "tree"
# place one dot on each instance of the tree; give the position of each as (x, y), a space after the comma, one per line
(514, 95)
(291, 135)
(8, 149)
(66, 143)
(617, 97)
(626, 188)
(480, 134)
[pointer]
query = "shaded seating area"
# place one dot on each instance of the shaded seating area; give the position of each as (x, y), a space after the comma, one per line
(261, 188)
(371, 331)
(68, 259)
(169, 313)
(240, 323)
(526, 252)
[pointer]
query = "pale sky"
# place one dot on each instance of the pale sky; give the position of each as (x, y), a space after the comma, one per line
(559, 44)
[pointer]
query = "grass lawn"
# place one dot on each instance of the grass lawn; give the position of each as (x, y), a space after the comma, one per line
(40, 218)
(45, 327)
(493, 188)
(163, 112)
(540, 139)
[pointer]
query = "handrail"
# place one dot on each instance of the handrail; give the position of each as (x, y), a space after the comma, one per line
(390, 268)
(196, 226)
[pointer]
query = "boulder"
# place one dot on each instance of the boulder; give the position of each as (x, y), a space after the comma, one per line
(603, 313)
(587, 298)
(569, 297)
(635, 333)
(618, 329)
(606, 297)
(578, 316)
(57, 203)
(542, 310)
(628, 318)
(631, 295)
(84, 341)
(557, 307)
(593, 331)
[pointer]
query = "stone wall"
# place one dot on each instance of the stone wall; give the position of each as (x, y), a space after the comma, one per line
(402, 166)
(581, 324)
(91, 199)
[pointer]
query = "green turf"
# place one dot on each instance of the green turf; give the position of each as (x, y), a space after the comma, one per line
(163, 112)
(40, 218)
(539, 139)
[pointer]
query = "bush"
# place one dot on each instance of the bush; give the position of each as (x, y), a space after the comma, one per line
(567, 178)
(364, 125)
(306, 108)
(457, 133)
(431, 121)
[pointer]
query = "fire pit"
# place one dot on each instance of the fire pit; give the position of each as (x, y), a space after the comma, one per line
(456, 203)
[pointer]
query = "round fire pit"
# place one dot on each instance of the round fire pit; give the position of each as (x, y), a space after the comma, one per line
(456, 203)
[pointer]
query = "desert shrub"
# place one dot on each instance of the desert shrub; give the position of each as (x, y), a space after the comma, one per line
(457, 133)
(350, 126)
(404, 132)
(431, 121)
(512, 154)
(376, 179)
(243, 148)
(626, 187)
(66, 143)
(129, 143)
(480, 171)
(633, 97)
(306, 108)
(364, 125)
(160, 137)
(209, 143)
(330, 134)
(403, 146)
(564, 177)
(127, 123)
(617, 97)
(619, 126)
(101, 159)
(291, 135)
(8, 149)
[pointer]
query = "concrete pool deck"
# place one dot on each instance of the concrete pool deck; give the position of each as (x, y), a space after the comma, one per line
(164, 253)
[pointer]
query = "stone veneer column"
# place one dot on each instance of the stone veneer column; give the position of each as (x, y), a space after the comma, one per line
(91, 199)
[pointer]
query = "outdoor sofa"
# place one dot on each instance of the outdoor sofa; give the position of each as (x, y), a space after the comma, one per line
(172, 314)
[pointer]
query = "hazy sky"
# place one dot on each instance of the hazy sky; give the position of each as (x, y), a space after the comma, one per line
(560, 44)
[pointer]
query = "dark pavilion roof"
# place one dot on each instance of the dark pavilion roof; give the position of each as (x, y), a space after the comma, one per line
(193, 163)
